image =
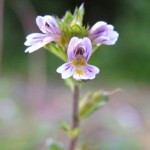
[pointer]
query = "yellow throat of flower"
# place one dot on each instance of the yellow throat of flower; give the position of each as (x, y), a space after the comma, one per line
(79, 62)
(79, 72)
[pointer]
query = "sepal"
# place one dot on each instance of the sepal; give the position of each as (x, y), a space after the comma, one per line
(75, 18)
(67, 32)
(78, 15)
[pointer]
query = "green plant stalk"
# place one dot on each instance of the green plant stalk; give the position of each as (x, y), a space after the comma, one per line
(75, 118)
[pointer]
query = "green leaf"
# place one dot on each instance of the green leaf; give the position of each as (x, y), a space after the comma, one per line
(54, 145)
(92, 102)
(65, 126)
(72, 133)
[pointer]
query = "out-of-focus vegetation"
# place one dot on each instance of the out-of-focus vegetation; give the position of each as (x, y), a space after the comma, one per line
(32, 105)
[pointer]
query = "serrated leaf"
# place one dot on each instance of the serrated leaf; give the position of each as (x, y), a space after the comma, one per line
(92, 102)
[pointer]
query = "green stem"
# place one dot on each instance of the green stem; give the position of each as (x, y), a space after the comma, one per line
(75, 119)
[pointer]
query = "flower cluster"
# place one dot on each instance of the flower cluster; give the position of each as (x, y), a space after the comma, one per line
(74, 40)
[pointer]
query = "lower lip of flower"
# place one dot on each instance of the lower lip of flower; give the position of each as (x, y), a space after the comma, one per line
(79, 72)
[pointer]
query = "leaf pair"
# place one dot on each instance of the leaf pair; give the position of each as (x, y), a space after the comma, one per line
(72, 133)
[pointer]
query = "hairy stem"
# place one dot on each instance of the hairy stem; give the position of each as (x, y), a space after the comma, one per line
(75, 120)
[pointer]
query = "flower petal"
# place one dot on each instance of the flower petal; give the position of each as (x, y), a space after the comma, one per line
(108, 40)
(75, 44)
(39, 44)
(87, 72)
(47, 24)
(34, 38)
(92, 71)
(97, 27)
(41, 23)
(88, 47)
(71, 47)
(103, 33)
(66, 70)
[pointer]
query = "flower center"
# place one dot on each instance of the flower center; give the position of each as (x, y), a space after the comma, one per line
(79, 61)
(80, 51)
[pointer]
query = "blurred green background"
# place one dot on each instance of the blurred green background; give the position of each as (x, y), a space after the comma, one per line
(33, 98)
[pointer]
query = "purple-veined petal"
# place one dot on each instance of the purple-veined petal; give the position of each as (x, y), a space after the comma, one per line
(109, 39)
(47, 24)
(88, 47)
(103, 33)
(66, 70)
(91, 71)
(101, 40)
(34, 38)
(39, 44)
(51, 25)
(75, 44)
(71, 47)
(97, 28)
(41, 23)
(87, 72)
(79, 76)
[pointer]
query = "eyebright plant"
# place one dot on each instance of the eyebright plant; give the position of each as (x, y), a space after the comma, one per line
(74, 43)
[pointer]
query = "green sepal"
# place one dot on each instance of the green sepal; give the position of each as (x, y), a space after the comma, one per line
(67, 32)
(68, 18)
(92, 102)
(71, 26)
(54, 145)
(78, 15)
(75, 18)
(57, 51)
